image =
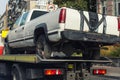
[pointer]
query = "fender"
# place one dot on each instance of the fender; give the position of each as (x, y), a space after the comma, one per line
(40, 29)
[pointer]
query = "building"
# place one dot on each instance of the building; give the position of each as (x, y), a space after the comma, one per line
(117, 7)
(14, 8)
(3, 22)
(109, 7)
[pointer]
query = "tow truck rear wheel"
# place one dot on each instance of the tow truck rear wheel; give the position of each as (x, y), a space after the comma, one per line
(18, 73)
(42, 47)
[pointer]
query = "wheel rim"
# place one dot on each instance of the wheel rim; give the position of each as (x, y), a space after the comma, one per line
(14, 77)
(40, 49)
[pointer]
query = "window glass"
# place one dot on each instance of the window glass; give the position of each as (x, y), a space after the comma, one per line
(37, 14)
(16, 24)
(18, 21)
(23, 20)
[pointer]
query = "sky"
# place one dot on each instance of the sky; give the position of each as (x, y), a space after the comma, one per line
(3, 6)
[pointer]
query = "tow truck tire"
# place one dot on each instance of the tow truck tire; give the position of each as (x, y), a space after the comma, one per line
(18, 73)
(43, 48)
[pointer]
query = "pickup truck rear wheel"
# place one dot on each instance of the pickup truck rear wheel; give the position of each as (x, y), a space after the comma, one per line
(68, 49)
(96, 54)
(42, 47)
(92, 54)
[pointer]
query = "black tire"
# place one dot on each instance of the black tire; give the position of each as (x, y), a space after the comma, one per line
(67, 49)
(18, 73)
(91, 54)
(42, 47)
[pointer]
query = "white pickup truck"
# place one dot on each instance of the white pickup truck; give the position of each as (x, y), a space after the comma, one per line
(65, 30)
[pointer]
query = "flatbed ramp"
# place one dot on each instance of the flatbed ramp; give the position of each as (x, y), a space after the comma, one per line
(34, 58)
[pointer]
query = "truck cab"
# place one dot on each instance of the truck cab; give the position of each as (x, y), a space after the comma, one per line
(17, 30)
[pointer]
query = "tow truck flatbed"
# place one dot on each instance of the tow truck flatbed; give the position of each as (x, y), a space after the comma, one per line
(34, 58)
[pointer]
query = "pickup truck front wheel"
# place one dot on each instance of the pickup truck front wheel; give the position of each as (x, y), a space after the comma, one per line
(9, 50)
(42, 47)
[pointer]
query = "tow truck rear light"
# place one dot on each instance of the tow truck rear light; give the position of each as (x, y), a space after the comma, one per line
(118, 24)
(51, 72)
(62, 16)
(99, 71)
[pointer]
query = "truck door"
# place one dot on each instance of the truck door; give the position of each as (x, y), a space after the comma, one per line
(17, 39)
(20, 31)
(30, 27)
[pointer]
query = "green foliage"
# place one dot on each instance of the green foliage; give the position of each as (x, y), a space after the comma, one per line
(115, 53)
(76, 4)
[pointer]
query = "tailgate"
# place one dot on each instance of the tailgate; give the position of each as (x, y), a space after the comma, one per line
(91, 22)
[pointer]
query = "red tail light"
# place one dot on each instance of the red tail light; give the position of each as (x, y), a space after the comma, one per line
(51, 72)
(118, 24)
(99, 71)
(62, 16)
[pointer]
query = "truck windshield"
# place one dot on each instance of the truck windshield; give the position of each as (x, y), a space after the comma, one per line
(37, 14)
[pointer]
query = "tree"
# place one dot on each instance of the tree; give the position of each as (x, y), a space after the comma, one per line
(76, 4)
(115, 52)
(111, 51)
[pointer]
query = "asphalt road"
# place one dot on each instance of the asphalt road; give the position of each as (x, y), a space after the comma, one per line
(111, 71)
(104, 78)
(91, 78)
(3, 78)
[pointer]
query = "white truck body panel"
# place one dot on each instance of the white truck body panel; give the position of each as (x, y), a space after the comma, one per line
(73, 22)
(23, 36)
(112, 26)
